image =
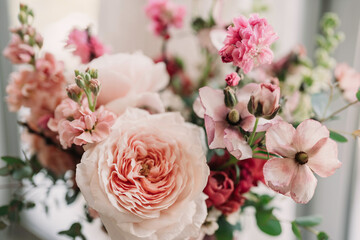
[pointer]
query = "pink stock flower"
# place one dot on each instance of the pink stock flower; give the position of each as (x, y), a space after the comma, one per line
(303, 150)
(90, 127)
(66, 110)
(51, 71)
(232, 79)
(87, 47)
(18, 51)
(164, 14)
(221, 131)
(248, 42)
(265, 101)
(349, 81)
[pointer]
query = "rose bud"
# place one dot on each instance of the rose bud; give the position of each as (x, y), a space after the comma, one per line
(232, 79)
(219, 188)
(230, 97)
(74, 92)
(94, 86)
(265, 101)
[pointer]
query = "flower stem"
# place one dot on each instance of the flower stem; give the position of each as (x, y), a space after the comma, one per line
(164, 50)
(207, 70)
(260, 157)
(251, 141)
(90, 101)
(338, 111)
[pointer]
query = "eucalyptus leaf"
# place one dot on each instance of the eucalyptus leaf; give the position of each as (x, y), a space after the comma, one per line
(4, 171)
(268, 223)
(337, 137)
(296, 230)
(308, 221)
(21, 173)
(12, 160)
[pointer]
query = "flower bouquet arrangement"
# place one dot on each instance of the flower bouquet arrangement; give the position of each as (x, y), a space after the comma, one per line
(157, 155)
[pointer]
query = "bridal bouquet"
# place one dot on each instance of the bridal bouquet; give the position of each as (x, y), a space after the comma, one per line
(158, 155)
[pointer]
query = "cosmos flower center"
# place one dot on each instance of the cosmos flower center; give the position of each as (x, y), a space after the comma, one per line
(301, 158)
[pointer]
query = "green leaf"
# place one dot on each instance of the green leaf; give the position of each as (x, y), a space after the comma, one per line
(308, 221)
(265, 199)
(30, 205)
(4, 210)
(13, 160)
(71, 195)
(225, 230)
(296, 230)
(21, 173)
(358, 95)
(337, 137)
(267, 222)
(4, 171)
(322, 236)
(74, 231)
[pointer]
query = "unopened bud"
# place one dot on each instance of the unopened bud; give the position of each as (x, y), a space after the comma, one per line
(87, 78)
(76, 73)
(94, 73)
(80, 82)
(94, 86)
(230, 97)
(74, 92)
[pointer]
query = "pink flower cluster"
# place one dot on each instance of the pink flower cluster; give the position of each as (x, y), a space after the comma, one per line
(87, 47)
(247, 43)
(78, 125)
(39, 90)
(18, 51)
(164, 14)
(349, 81)
(232, 79)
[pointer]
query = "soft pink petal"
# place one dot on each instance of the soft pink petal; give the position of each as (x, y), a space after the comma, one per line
(213, 102)
(198, 108)
(303, 185)
(215, 132)
(308, 133)
(278, 173)
(236, 144)
(279, 139)
(324, 160)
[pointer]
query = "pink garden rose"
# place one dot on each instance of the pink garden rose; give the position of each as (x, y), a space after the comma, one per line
(303, 150)
(265, 101)
(164, 14)
(247, 44)
(146, 178)
(349, 81)
(232, 79)
(130, 80)
(18, 51)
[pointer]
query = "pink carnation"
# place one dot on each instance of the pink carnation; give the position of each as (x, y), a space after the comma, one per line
(87, 47)
(303, 150)
(90, 127)
(349, 81)
(164, 14)
(18, 51)
(248, 42)
(232, 79)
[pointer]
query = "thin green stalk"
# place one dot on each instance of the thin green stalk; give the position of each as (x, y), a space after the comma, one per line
(251, 141)
(260, 157)
(338, 111)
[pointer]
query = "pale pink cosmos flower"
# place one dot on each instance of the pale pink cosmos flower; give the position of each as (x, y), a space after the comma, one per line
(247, 44)
(219, 129)
(164, 14)
(303, 150)
(349, 81)
(87, 47)
(232, 79)
(18, 51)
(90, 127)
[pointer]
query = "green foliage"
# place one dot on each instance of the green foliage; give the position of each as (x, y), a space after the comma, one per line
(74, 231)
(322, 236)
(296, 230)
(358, 95)
(17, 168)
(308, 221)
(225, 230)
(71, 195)
(337, 137)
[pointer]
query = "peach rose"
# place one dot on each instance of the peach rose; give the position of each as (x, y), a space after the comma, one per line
(126, 78)
(146, 179)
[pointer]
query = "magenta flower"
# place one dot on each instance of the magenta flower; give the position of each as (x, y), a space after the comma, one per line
(247, 44)
(303, 150)
(164, 14)
(232, 79)
(87, 47)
